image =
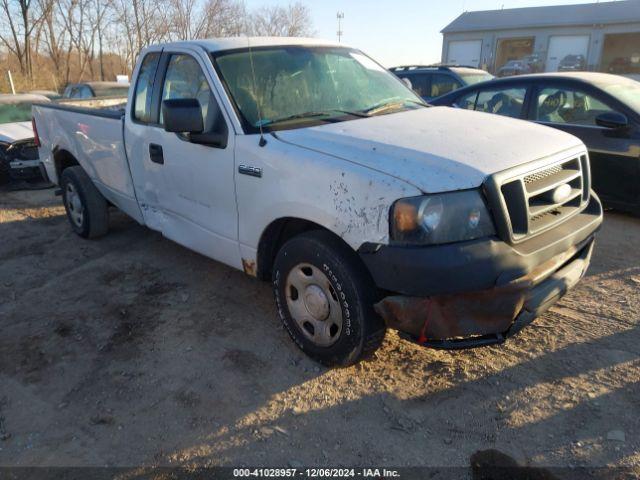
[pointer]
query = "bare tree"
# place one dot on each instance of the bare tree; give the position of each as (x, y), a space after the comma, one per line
(54, 38)
(291, 21)
(212, 18)
(17, 23)
(101, 17)
(226, 18)
(142, 22)
(52, 42)
(75, 17)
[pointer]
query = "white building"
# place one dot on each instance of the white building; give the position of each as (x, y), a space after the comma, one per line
(600, 36)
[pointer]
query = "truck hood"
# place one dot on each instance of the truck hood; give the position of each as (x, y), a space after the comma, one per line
(435, 149)
(13, 132)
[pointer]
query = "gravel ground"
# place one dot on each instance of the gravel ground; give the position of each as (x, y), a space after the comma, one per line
(131, 350)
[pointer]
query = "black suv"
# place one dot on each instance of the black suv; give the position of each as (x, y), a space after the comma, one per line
(431, 81)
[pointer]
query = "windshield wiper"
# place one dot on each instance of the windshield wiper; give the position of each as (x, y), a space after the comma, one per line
(311, 114)
(389, 104)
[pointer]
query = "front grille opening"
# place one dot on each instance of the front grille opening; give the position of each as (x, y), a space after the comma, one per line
(516, 201)
(534, 177)
(549, 218)
(538, 200)
(586, 177)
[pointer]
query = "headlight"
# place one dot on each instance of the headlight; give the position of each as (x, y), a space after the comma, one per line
(441, 218)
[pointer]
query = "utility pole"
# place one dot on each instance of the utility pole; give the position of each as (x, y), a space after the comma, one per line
(340, 17)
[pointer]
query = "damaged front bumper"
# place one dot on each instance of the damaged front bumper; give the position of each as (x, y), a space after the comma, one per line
(20, 160)
(478, 293)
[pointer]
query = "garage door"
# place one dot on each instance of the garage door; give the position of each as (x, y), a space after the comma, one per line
(561, 46)
(465, 52)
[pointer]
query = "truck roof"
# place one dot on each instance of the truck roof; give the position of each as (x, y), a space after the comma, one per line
(231, 43)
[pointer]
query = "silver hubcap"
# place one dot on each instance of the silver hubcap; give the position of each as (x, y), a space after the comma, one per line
(314, 305)
(74, 205)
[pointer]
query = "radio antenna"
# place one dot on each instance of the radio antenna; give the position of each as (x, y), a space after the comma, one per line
(263, 141)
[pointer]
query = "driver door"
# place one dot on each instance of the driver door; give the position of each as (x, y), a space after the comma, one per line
(615, 170)
(198, 200)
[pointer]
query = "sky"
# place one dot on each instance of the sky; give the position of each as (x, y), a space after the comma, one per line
(397, 32)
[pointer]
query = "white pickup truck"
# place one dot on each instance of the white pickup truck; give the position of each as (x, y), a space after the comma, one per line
(306, 163)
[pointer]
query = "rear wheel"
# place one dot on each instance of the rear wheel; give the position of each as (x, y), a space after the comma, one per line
(4, 170)
(87, 210)
(325, 299)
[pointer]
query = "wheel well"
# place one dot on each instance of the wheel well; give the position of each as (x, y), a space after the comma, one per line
(63, 159)
(277, 234)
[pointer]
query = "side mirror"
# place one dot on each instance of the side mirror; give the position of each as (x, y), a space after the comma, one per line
(182, 115)
(612, 120)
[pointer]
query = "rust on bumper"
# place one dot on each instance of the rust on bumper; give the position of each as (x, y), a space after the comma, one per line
(477, 313)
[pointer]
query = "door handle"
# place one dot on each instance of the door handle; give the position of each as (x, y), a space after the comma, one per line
(155, 153)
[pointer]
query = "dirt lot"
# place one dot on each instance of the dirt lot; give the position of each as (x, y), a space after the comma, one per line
(131, 350)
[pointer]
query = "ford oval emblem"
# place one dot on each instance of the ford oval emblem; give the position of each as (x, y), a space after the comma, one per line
(561, 193)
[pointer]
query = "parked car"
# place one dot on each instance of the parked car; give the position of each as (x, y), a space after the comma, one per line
(431, 81)
(573, 63)
(96, 89)
(602, 110)
(363, 206)
(625, 65)
(535, 63)
(18, 152)
(514, 67)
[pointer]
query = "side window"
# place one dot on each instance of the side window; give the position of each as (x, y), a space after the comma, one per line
(468, 101)
(185, 79)
(442, 84)
(419, 84)
(85, 92)
(568, 106)
(508, 102)
(144, 87)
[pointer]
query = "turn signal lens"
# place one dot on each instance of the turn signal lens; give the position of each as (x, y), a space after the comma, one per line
(405, 217)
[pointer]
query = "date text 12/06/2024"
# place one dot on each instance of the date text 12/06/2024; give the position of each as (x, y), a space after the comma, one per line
(315, 472)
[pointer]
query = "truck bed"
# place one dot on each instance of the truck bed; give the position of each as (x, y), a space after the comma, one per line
(110, 107)
(89, 132)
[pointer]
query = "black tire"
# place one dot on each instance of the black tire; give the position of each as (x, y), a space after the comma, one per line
(362, 330)
(94, 221)
(4, 170)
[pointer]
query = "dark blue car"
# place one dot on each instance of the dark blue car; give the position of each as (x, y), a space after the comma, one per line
(602, 110)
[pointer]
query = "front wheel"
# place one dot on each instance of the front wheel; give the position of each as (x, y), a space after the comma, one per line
(325, 299)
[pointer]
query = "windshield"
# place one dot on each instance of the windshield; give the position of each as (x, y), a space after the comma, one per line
(15, 112)
(627, 92)
(296, 86)
(473, 78)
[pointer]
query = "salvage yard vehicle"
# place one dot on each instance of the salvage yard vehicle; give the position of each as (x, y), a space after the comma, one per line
(513, 68)
(18, 151)
(572, 63)
(95, 90)
(431, 81)
(308, 164)
(600, 109)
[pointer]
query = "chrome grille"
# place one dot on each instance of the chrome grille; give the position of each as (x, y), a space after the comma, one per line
(534, 177)
(534, 200)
